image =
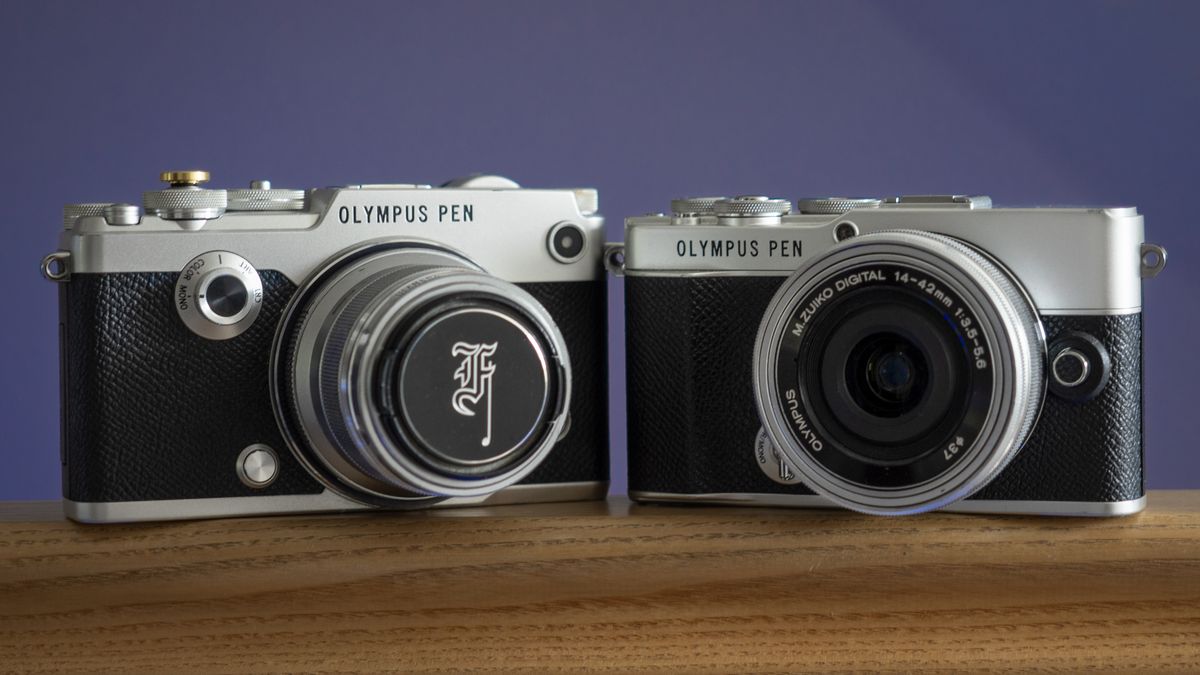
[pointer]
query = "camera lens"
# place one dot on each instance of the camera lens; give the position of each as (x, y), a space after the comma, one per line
(886, 374)
(891, 375)
(405, 373)
(900, 371)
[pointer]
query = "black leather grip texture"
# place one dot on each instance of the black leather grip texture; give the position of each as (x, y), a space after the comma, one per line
(580, 308)
(693, 421)
(153, 411)
(1092, 451)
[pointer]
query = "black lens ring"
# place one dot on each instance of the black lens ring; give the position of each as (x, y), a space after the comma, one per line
(809, 419)
(876, 437)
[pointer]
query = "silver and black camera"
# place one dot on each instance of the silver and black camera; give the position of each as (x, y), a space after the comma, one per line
(265, 350)
(889, 356)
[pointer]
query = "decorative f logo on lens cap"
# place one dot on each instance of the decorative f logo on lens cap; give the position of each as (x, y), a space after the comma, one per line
(474, 375)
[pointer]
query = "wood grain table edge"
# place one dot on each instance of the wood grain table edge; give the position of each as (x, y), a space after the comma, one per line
(604, 586)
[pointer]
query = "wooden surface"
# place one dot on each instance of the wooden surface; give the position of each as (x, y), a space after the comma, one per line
(604, 586)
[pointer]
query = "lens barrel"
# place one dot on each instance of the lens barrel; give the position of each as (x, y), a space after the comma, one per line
(899, 372)
(405, 374)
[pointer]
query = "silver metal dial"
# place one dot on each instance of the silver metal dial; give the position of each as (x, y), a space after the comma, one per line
(260, 196)
(752, 206)
(693, 206)
(184, 201)
(834, 205)
(73, 212)
(218, 295)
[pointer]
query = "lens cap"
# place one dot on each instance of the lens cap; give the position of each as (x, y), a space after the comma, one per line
(471, 389)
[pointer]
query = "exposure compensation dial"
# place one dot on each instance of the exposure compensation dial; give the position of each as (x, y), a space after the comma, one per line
(218, 295)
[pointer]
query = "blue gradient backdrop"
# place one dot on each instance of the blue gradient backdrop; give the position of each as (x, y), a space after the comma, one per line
(1031, 102)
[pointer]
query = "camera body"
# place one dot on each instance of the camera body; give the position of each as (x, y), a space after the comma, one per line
(890, 356)
(263, 351)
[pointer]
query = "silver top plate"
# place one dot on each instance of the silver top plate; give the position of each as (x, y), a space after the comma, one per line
(502, 228)
(1071, 260)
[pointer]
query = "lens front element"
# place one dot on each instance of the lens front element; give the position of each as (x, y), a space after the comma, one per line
(899, 372)
(887, 375)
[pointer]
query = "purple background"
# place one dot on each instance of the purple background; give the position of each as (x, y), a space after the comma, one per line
(1031, 102)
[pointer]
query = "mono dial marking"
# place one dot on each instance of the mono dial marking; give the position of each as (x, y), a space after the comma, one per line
(218, 295)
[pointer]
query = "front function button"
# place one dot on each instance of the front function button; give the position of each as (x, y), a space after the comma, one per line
(1079, 367)
(1070, 367)
(218, 295)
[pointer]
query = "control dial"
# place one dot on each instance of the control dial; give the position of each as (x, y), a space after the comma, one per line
(218, 295)
(834, 205)
(262, 197)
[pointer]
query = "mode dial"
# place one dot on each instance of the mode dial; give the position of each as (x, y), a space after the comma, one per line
(752, 210)
(218, 295)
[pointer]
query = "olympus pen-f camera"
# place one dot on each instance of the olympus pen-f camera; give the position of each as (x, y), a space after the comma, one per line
(266, 350)
(889, 356)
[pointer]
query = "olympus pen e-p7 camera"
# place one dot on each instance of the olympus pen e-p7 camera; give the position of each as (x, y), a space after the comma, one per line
(267, 350)
(889, 356)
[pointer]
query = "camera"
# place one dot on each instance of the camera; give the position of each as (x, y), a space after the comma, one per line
(265, 350)
(890, 356)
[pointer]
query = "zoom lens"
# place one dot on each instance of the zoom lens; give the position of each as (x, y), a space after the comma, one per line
(404, 373)
(899, 372)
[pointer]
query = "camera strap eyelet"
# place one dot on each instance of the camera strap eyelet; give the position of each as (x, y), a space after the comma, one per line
(57, 266)
(1154, 259)
(614, 258)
